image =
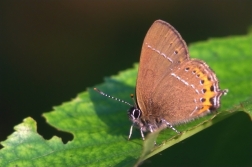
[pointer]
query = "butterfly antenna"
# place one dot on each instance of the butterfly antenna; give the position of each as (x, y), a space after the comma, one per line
(133, 98)
(114, 98)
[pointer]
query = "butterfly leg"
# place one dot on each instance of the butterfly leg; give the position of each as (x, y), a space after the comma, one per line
(131, 128)
(169, 125)
(150, 127)
(141, 130)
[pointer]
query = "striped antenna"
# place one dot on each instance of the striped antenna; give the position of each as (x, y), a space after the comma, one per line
(114, 98)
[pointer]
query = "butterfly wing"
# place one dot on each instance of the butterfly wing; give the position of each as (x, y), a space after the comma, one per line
(162, 50)
(170, 85)
(191, 90)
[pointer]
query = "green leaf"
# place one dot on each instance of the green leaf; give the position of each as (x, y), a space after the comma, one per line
(100, 125)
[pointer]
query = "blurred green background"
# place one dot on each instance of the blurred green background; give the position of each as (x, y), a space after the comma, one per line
(52, 50)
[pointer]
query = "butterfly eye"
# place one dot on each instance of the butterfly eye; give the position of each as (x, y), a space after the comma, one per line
(134, 113)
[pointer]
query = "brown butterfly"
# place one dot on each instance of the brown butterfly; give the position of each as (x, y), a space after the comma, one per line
(171, 88)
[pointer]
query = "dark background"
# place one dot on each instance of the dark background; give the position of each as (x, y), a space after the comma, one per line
(51, 51)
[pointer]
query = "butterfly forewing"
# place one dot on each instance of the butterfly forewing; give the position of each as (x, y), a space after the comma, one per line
(163, 49)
